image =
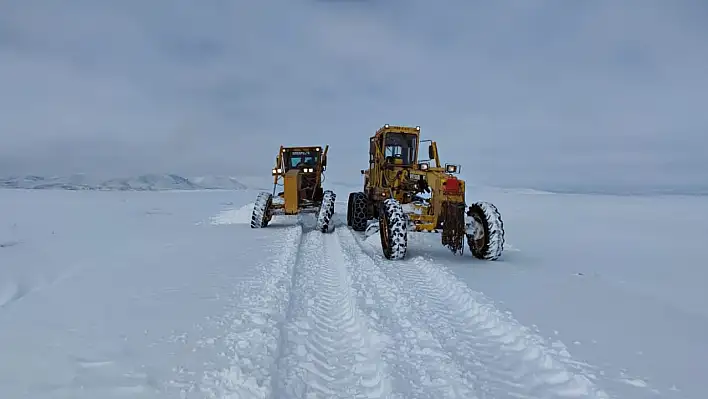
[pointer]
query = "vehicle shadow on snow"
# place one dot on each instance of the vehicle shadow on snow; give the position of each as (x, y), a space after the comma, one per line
(307, 221)
(429, 247)
(281, 224)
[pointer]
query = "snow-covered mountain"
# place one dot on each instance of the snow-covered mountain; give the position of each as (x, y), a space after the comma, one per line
(218, 182)
(148, 182)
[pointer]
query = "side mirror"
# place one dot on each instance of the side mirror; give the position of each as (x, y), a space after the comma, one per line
(431, 152)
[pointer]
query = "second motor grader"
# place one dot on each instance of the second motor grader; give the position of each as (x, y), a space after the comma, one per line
(301, 170)
(403, 194)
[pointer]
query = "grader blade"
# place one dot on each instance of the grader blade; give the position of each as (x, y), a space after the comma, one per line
(372, 229)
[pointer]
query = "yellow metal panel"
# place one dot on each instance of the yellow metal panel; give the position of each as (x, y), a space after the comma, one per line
(292, 190)
(425, 227)
(396, 128)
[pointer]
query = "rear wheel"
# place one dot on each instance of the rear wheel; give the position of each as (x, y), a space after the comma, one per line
(350, 205)
(393, 230)
(261, 216)
(485, 232)
(357, 211)
(325, 223)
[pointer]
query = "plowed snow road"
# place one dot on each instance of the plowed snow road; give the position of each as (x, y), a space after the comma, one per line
(349, 324)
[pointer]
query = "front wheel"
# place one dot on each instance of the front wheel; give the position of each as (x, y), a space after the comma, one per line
(485, 231)
(325, 223)
(261, 215)
(393, 229)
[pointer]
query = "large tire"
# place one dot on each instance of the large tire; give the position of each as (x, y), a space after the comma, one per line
(358, 211)
(393, 230)
(488, 242)
(325, 223)
(350, 207)
(260, 216)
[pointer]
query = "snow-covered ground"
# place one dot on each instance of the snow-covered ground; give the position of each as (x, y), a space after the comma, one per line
(171, 294)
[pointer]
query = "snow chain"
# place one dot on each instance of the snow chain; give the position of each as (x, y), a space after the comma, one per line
(453, 226)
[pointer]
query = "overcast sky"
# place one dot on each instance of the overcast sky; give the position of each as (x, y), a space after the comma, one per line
(528, 93)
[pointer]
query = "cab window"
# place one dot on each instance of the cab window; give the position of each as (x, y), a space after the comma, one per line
(400, 148)
(299, 159)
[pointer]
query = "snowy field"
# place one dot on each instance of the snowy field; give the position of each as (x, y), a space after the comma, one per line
(173, 295)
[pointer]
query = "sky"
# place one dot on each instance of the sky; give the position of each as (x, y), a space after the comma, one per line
(541, 94)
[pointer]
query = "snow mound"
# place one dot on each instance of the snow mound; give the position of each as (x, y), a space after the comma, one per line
(241, 215)
(218, 182)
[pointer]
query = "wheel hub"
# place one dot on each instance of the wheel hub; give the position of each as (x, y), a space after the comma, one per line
(478, 231)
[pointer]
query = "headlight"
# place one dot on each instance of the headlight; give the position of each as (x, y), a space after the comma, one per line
(386, 126)
(417, 128)
(451, 168)
(275, 171)
(423, 166)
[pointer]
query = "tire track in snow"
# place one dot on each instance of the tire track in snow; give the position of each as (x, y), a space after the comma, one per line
(421, 367)
(255, 325)
(503, 354)
(508, 360)
(327, 349)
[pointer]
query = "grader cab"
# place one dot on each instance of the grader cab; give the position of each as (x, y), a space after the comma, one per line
(404, 194)
(301, 170)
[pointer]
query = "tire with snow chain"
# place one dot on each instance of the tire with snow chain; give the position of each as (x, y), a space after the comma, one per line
(393, 229)
(260, 216)
(357, 211)
(350, 205)
(325, 223)
(487, 241)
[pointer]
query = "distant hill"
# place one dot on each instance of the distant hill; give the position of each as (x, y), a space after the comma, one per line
(148, 182)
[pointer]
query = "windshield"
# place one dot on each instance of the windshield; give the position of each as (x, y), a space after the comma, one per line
(400, 148)
(298, 159)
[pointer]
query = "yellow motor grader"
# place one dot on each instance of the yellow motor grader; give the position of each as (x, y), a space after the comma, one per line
(402, 193)
(301, 170)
